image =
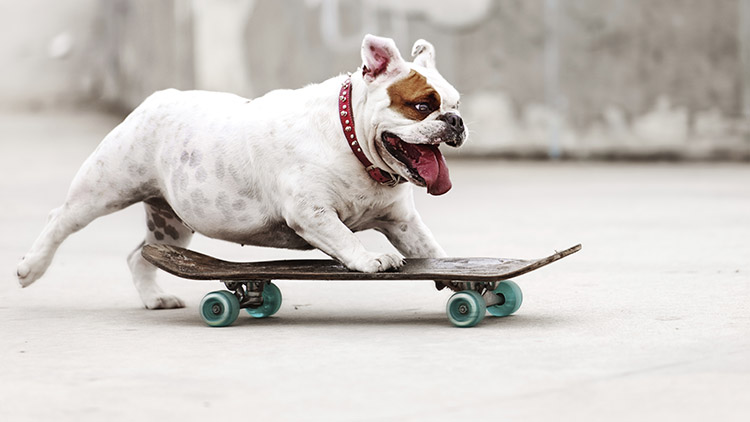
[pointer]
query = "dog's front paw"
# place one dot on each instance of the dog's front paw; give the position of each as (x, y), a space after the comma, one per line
(373, 263)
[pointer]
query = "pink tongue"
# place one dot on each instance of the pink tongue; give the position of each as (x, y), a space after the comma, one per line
(431, 166)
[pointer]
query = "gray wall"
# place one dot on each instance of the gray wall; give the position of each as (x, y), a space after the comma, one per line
(582, 78)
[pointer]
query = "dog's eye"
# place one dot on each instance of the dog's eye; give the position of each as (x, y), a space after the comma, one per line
(422, 107)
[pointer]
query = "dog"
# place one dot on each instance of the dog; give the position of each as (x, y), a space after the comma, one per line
(296, 169)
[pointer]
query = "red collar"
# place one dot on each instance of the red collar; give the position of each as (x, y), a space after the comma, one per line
(347, 124)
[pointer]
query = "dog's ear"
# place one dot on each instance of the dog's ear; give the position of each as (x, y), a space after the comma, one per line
(423, 53)
(380, 58)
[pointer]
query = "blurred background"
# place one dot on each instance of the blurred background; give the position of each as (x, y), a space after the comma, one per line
(649, 322)
(602, 79)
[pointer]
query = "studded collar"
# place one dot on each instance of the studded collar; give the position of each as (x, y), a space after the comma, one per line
(347, 125)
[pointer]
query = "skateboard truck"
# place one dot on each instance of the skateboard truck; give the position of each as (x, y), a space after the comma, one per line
(492, 299)
(248, 293)
(486, 290)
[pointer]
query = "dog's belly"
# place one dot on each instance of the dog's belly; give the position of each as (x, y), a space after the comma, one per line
(222, 214)
(243, 229)
(274, 235)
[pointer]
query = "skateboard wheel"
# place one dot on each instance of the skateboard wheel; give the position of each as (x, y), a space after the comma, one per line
(220, 308)
(512, 297)
(271, 302)
(466, 308)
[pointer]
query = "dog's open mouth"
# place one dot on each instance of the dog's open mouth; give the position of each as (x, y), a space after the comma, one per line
(425, 163)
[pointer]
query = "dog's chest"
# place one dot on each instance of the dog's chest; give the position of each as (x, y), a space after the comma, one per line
(363, 212)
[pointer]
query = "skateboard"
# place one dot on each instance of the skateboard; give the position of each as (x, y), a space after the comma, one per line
(485, 282)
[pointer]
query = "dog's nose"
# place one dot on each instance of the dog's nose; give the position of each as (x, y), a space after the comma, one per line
(454, 120)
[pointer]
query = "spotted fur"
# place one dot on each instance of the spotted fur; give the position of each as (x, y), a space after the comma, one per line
(275, 171)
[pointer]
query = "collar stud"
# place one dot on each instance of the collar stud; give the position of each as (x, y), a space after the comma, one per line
(347, 124)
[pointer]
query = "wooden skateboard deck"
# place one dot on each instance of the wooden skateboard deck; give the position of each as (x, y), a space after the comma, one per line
(250, 286)
(196, 266)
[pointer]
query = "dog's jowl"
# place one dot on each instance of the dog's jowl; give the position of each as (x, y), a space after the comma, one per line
(294, 169)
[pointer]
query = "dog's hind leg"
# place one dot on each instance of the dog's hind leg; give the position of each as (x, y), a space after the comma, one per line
(163, 227)
(108, 181)
(61, 223)
(89, 197)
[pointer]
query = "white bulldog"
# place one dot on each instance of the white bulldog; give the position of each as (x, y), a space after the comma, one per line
(292, 169)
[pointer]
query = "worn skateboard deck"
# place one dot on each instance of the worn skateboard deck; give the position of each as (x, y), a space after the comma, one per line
(196, 266)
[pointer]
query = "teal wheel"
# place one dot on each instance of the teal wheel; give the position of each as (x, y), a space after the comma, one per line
(510, 299)
(220, 308)
(466, 308)
(271, 302)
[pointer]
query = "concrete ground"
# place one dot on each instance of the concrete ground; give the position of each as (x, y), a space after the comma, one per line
(650, 321)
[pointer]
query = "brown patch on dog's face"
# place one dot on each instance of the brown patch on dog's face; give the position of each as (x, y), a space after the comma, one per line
(413, 97)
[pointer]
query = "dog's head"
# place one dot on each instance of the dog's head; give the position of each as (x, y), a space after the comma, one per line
(412, 111)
